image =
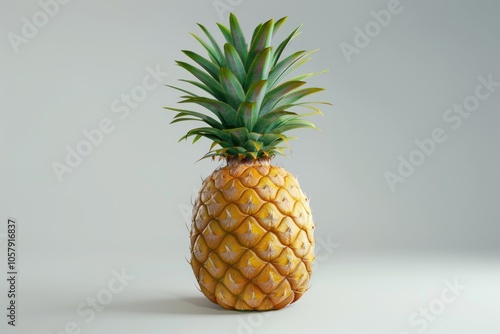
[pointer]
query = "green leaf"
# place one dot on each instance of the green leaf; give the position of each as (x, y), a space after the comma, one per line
(273, 139)
(239, 150)
(182, 90)
(280, 121)
(308, 105)
(274, 95)
(215, 45)
(198, 137)
(231, 87)
(205, 118)
(234, 63)
(224, 112)
(259, 70)
(297, 95)
(285, 66)
(238, 135)
(247, 115)
(279, 24)
(252, 145)
(251, 155)
(211, 133)
(262, 40)
(213, 85)
(254, 136)
(238, 37)
(278, 69)
(256, 93)
(283, 45)
(201, 86)
(184, 119)
(226, 33)
(295, 65)
(294, 125)
(255, 32)
(271, 118)
(210, 67)
(274, 150)
(251, 107)
(307, 76)
(216, 58)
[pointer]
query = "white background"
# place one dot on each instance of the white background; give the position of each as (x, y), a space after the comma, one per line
(384, 254)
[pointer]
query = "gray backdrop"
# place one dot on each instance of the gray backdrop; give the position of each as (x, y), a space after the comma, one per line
(406, 160)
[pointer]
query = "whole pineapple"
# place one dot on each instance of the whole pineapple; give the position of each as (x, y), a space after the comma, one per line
(252, 242)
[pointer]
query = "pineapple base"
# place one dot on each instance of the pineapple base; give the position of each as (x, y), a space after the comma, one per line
(252, 242)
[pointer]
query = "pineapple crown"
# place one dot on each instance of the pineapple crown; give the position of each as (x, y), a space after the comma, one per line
(248, 97)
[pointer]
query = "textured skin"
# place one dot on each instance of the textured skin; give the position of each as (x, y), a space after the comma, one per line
(252, 243)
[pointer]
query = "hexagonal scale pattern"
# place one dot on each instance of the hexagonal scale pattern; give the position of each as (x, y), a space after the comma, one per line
(252, 241)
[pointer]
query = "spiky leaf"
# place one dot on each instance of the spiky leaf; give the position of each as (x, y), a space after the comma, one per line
(231, 87)
(283, 45)
(222, 110)
(261, 41)
(259, 70)
(234, 63)
(279, 24)
(238, 37)
(251, 103)
(213, 85)
(297, 95)
(273, 96)
(210, 67)
(216, 48)
(247, 114)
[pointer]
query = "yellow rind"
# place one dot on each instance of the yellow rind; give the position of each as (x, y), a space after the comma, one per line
(252, 241)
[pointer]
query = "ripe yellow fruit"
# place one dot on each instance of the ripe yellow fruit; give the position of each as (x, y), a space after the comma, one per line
(252, 243)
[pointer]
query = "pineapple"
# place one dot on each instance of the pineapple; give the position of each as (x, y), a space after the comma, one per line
(252, 242)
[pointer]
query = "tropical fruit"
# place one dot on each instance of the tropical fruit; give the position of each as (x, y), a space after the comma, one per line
(252, 242)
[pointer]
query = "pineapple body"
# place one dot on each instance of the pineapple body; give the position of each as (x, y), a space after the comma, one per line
(252, 243)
